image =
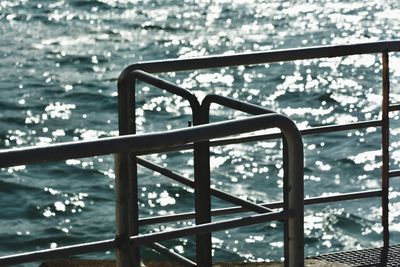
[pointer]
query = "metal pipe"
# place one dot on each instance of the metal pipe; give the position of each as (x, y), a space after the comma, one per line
(168, 86)
(250, 206)
(127, 90)
(295, 196)
(174, 256)
(304, 132)
(60, 252)
(272, 205)
(286, 199)
(253, 109)
(343, 197)
(233, 104)
(290, 229)
(394, 107)
(202, 165)
(220, 61)
(385, 148)
(202, 195)
(124, 205)
(211, 227)
(227, 102)
(394, 173)
(121, 211)
(138, 143)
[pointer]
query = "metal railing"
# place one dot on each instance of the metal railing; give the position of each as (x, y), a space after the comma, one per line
(201, 183)
(292, 213)
(128, 147)
(126, 85)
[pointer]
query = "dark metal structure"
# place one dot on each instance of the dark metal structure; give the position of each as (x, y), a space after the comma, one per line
(292, 214)
(129, 146)
(201, 182)
(126, 86)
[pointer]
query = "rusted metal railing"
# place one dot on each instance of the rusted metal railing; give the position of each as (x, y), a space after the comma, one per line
(159, 141)
(201, 183)
(127, 81)
(129, 146)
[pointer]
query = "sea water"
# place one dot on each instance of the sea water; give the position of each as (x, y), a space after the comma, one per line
(59, 65)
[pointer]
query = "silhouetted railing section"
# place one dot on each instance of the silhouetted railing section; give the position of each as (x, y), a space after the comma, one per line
(292, 214)
(127, 82)
(129, 145)
(201, 182)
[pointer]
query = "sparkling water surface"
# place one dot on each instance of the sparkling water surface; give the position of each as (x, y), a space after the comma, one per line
(59, 65)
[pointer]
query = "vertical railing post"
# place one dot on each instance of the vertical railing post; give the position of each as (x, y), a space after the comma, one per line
(204, 166)
(294, 194)
(285, 165)
(133, 204)
(121, 211)
(127, 214)
(202, 191)
(126, 87)
(385, 148)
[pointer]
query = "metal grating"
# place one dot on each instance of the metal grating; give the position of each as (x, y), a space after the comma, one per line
(366, 257)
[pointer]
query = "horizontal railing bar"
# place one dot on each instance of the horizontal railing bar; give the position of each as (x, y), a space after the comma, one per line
(172, 149)
(138, 143)
(183, 216)
(394, 107)
(142, 239)
(164, 171)
(60, 252)
(304, 132)
(218, 61)
(394, 173)
(168, 86)
(164, 85)
(172, 255)
(272, 205)
(210, 227)
(234, 104)
(341, 127)
(343, 197)
(215, 192)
